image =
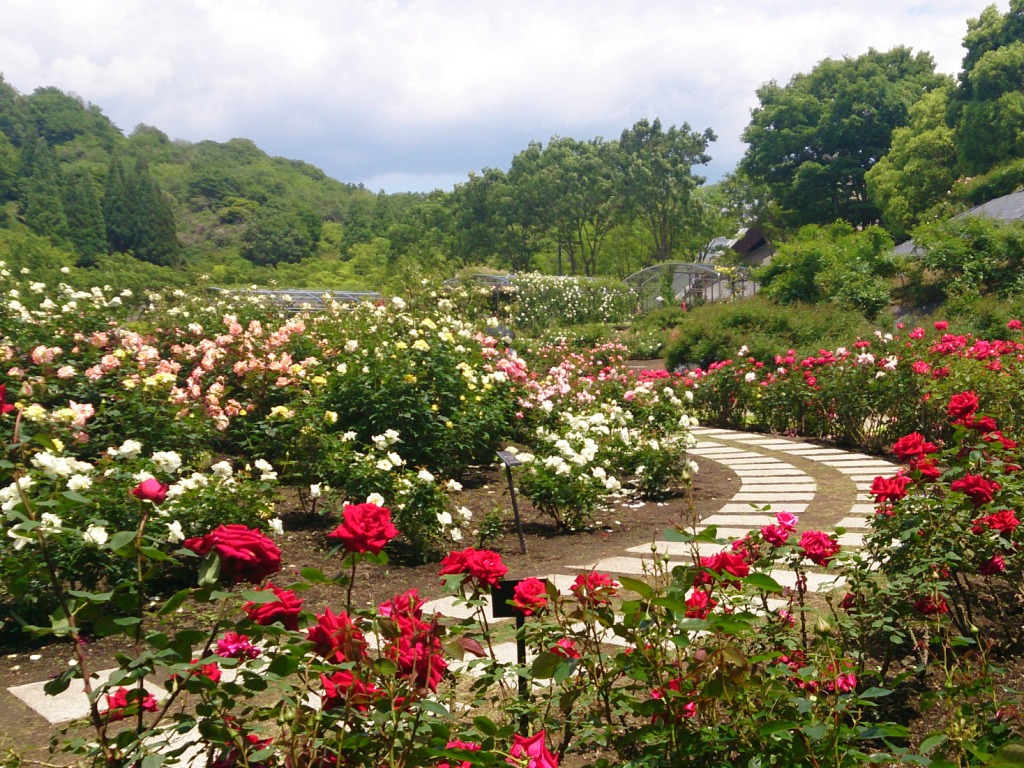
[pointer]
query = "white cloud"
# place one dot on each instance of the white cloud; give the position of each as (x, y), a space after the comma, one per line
(415, 91)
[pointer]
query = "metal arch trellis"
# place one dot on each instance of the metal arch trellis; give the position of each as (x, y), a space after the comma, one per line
(688, 282)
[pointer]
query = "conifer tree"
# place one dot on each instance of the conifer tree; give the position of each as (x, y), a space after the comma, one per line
(86, 229)
(43, 194)
(116, 207)
(151, 223)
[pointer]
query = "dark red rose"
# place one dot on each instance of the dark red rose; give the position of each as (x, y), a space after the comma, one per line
(151, 490)
(5, 407)
(962, 406)
(889, 488)
(913, 446)
(245, 553)
(818, 547)
(565, 648)
(699, 604)
(724, 562)
(483, 567)
(1004, 521)
(976, 487)
(926, 469)
(593, 589)
(284, 609)
(344, 688)
(931, 606)
(530, 596)
(994, 565)
(364, 528)
(336, 638)
(123, 702)
(417, 652)
(409, 603)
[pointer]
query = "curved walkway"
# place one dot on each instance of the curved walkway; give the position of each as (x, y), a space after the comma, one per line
(826, 488)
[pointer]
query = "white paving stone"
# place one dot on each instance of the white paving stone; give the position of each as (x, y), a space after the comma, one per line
(72, 704)
(816, 582)
(887, 470)
(868, 510)
(854, 522)
(773, 497)
(851, 539)
(754, 478)
(679, 549)
(772, 509)
(810, 487)
(783, 470)
(754, 459)
(715, 449)
(454, 609)
(753, 521)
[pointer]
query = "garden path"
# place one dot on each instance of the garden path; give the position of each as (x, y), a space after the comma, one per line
(825, 487)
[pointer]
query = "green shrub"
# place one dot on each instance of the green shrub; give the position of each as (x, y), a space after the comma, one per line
(716, 332)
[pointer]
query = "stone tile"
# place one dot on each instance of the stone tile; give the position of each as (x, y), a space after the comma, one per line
(716, 449)
(768, 498)
(851, 539)
(679, 549)
(816, 582)
(809, 487)
(748, 477)
(450, 607)
(867, 510)
(773, 509)
(886, 470)
(752, 459)
(782, 470)
(72, 704)
(855, 522)
(750, 520)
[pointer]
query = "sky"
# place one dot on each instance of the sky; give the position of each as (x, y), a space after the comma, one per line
(414, 95)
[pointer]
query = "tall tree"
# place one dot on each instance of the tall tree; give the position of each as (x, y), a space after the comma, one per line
(86, 229)
(117, 206)
(812, 140)
(153, 234)
(43, 194)
(659, 182)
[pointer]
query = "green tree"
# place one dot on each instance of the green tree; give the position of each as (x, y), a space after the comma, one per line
(153, 235)
(970, 254)
(43, 194)
(659, 182)
(812, 141)
(86, 229)
(920, 168)
(10, 162)
(117, 206)
(276, 235)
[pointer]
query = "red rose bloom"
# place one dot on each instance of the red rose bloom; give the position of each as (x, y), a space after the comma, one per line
(994, 565)
(818, 547)
(976, 487)
(776, 535)
(245, 553)
(483, 567)
(343, 687)
(285, 609)
(417, 652)
(962, 406)
(532, 749)
(336, 638)
(530, 595)
(926, 469)
(5, 407)
(364, 528)
(122, 702)
(889, 488)
(408, 603)
(151, 490)
(565, 648)
(469, 746)
(913, 446)
(236, 646)
(593, 589)
(724, 562)
(1004, 521)
(930, 606)
(699, 604)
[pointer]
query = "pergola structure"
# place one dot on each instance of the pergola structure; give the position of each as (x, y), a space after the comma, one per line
(676, 282)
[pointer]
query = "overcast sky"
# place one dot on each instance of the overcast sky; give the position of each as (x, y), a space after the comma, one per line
(413, 95)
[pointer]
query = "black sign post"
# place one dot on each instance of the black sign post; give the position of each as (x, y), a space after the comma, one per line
(510, 460)
(502, 609)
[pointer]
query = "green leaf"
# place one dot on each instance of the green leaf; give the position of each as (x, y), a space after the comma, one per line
(545, 664)
(1008, 755)
(174, 601)
(635, 585)
(123, 542)
(776, 726)
(815, 731)
(436, 708)
(314, 575)
(75, 497)
(932, 742)
(875, 693)
(95, 597)
(209, 570)
(763, 582)
(485, 725)
(153, 761)
(156, 555)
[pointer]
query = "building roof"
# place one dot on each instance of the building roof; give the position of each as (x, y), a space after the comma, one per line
(1006, 208)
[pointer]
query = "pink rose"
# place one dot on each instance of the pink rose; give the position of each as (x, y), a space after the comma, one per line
(123, 702)
(151, 490)
(336, 638)
(531, 751)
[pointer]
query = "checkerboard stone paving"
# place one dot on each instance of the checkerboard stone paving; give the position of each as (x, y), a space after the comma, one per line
(770, 483)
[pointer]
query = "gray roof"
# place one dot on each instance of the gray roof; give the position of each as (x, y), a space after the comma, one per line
(1006, 208)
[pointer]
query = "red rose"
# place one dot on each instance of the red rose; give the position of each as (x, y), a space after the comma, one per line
(483, 567)
(699, 604)
(417, 652)
(469, 746)
(245, 553)
(976, 487)
(593, 589)
(930, 606)
(364, 528)
(151, 490)
(818, 547)
(565, 648)
(962, 406)
(5, 407)
(889, 488)
(776, 535)
(1004, 521)
(533, 750)
(926, 469)
(344, 688)
(722, 563)
(530, 595)
(913, 446)
(941, 325)
(236, 646)
(122, 702)
(992, 566)
(285, 609)
(336, 638)
(408, 603)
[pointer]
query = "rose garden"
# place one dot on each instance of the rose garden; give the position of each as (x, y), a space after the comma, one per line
(149, 440)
